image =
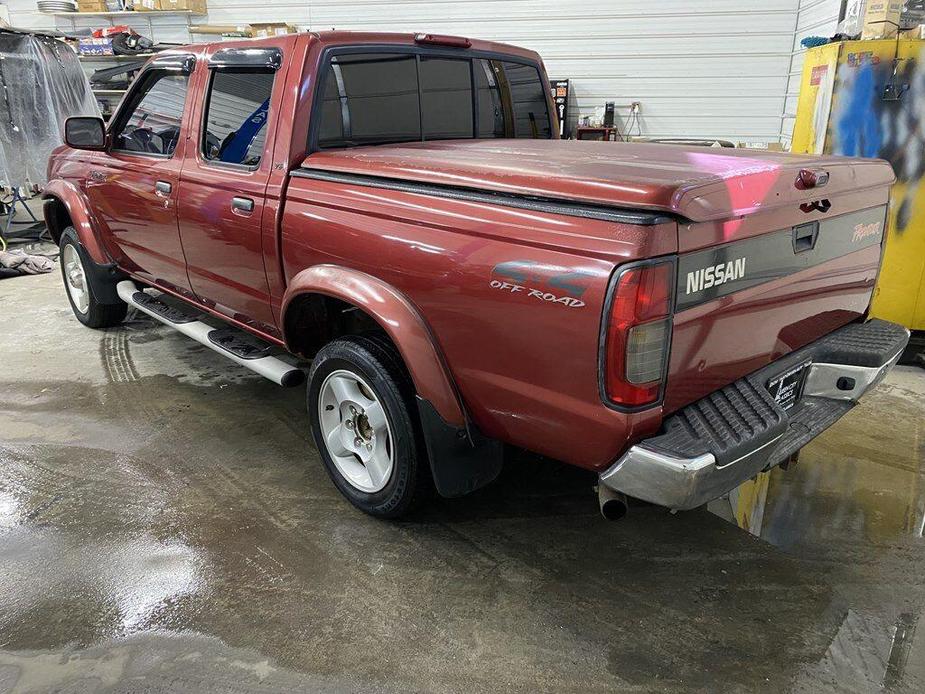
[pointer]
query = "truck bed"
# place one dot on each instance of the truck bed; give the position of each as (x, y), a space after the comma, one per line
(710, 207)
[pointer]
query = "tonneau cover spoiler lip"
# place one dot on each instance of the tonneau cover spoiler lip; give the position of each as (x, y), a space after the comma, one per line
(536, 203)
(698, 184)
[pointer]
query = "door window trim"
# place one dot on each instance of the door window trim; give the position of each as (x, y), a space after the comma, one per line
(464, 54)
(183, 64)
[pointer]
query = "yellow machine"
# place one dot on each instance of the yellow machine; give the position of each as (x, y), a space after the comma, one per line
(867, 99)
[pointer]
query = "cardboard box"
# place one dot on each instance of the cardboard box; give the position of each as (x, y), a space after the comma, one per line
(247, 31)
(881, 19)
(92, 6)
(913, 34)
(262, 30)
(93, 46)
(194, 6)
(219, 29)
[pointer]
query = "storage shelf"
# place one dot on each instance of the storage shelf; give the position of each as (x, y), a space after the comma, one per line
(129, 13)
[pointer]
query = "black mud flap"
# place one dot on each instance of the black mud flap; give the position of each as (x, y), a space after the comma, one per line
(461, 461)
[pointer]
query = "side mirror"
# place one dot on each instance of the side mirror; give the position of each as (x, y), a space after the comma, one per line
(85, 132)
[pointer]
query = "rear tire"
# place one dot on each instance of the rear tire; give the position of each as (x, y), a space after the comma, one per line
(83, 286)
(365, 425)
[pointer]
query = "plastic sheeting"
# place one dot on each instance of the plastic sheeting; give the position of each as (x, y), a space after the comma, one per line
(41, 84)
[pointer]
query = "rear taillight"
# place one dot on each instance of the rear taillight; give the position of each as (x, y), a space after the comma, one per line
(638, 334)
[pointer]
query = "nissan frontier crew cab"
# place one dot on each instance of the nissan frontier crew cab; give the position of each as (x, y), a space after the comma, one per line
(397, 208)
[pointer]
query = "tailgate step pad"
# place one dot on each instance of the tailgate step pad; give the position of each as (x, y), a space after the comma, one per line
(729, 423)
(863, 344)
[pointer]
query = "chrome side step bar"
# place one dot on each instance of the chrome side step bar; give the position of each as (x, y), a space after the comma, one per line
(269, 367)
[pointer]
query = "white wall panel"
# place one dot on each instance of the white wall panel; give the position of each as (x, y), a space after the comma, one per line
(814, 18)
(699, 68)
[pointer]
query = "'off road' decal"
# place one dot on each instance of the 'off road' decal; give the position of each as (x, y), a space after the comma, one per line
(541, 282)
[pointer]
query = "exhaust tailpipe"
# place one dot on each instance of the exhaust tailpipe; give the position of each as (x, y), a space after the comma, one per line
(613, 504)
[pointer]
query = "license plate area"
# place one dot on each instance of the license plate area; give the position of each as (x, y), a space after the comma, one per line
(786, 388)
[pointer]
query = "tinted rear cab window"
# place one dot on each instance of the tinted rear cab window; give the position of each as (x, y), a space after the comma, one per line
(446, 98)
(378, 98)
(370, 98)
(512, 100)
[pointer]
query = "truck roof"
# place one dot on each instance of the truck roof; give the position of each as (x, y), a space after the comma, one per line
(697, 183)
(337, 37)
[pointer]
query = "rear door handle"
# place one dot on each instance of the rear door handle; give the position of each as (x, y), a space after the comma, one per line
(162, 188)
(242, 204)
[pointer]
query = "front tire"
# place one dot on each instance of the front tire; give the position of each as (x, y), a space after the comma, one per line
(82, 286)
(361, 408)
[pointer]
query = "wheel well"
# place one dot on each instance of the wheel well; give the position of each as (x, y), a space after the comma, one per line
(57, 218)
(313, 320)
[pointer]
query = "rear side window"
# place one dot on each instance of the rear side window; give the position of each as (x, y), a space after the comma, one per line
(152, 124)
(378, 98)
(236, 116)
(512, 100)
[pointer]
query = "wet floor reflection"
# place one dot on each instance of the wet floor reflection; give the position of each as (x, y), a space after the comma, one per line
(859, 486)
(169, 524)
(861, 481)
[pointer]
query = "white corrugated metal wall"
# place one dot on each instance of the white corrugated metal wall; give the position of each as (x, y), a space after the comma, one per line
(815, 18)
(704, 69)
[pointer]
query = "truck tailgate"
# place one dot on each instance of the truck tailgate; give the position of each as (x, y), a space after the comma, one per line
(753, 289)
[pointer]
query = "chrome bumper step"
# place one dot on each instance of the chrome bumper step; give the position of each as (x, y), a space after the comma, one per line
(713, 445)
(239, 348)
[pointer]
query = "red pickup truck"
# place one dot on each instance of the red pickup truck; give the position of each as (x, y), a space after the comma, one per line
(399, 209)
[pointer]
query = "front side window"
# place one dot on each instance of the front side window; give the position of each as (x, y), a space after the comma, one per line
(379, 98)
(152, 125)
(236, 116)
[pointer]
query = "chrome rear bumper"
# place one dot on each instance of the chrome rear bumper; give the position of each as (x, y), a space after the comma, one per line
(652, 471)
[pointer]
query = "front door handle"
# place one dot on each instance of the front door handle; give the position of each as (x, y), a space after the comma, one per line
(242, 204)
(162, 188)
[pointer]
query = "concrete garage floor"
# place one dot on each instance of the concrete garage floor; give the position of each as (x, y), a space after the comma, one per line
(165, 525)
